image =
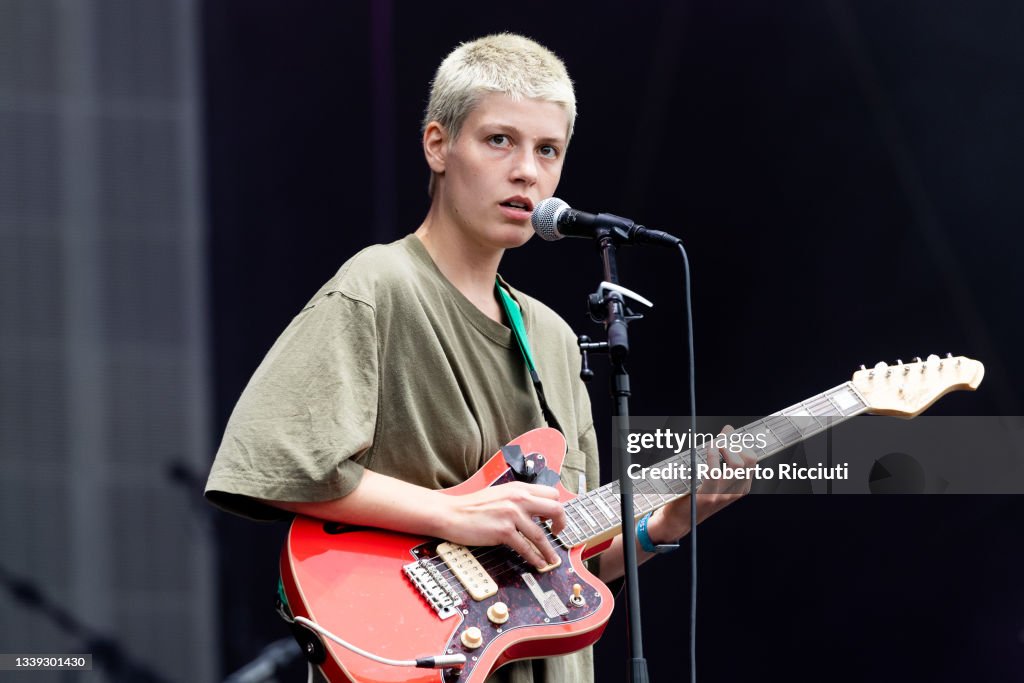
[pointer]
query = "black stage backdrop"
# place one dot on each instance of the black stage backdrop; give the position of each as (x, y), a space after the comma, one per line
(846, 179)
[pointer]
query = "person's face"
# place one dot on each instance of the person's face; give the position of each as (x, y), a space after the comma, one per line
(506, 159)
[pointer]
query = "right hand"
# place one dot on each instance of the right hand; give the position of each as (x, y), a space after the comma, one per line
(504, 514)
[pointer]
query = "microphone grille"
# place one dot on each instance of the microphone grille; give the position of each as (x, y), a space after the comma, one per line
(545, 218)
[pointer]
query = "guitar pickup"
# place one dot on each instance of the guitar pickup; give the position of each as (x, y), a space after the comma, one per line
(470, 573)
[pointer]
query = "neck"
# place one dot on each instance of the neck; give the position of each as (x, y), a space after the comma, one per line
(595, 516)
(470, 267)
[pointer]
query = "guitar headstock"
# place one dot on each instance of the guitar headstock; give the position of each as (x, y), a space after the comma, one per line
(907, 389)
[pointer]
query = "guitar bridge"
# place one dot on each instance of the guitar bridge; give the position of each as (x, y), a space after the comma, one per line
(434, 587)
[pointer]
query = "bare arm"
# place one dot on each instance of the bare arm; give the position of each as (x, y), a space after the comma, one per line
(496, 515)
(504, 514)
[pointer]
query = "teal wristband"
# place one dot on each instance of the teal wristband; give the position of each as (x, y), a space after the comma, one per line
(645, 538)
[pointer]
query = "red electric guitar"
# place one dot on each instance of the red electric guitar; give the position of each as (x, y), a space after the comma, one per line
(405, 598)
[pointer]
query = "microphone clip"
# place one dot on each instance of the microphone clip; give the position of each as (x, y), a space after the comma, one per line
(597, 303)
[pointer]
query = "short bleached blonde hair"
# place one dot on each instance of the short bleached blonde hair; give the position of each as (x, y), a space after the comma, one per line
(503, 63)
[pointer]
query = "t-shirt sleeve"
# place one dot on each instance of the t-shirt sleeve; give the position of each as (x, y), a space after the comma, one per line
(306, 417)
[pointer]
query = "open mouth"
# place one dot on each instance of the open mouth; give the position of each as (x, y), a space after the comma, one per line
(519, 203)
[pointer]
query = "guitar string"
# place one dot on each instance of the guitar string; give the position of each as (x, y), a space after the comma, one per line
(498, 561)
(815, 404)
(599, 528)
(491, 551)
(491, 554)
(447, 572)
(443, 568)
(509, 553)
(501, 568)
(513, 563)
(506, 555)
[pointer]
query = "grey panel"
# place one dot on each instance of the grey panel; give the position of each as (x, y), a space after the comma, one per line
(34, 565)
(156, 521)
(158, 642)
(29, 170)
(142, 292)
(31, 286)
(140, 176)
(102, 336)
(33, 404)
(147, 421)
(137, 49)
(28, 64)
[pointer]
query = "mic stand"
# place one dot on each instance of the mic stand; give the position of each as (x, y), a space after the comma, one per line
(608, 307)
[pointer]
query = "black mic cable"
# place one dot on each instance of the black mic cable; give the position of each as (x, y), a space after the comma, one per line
(693, 466)
(554, 219)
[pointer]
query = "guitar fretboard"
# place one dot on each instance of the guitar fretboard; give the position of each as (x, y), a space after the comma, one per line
(596, 515)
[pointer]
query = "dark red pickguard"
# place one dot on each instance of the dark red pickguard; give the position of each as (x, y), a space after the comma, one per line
(506, 567)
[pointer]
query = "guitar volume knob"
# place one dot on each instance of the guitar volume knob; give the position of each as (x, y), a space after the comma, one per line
(472, 638)
(498, 613)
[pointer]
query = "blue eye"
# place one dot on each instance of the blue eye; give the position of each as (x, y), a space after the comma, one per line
(548, 151)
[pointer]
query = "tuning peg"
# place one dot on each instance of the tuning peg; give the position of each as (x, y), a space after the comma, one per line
(917, 359)
(879, 366)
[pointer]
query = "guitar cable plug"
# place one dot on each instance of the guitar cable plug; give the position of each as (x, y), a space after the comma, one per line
(443, 661)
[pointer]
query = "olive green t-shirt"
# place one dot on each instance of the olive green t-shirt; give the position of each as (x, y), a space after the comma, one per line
(390, 368)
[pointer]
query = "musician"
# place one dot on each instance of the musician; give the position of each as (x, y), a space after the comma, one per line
(401, 375)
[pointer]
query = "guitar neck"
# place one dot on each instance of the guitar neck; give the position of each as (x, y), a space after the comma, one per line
(596, 516)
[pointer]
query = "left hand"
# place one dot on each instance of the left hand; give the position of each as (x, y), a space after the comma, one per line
(673, 521)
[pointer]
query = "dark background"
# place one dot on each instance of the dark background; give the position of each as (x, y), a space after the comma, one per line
(846, 179)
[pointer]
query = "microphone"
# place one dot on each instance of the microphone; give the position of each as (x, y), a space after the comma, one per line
(553, 219)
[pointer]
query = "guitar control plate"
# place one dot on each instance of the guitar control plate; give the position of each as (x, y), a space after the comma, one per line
(549, 601)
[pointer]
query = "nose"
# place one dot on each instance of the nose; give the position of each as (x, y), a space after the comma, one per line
(524, 167)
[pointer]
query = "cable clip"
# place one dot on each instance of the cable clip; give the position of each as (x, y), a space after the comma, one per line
(598, 301)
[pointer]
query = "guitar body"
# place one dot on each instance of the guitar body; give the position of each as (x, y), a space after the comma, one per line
(354, 582)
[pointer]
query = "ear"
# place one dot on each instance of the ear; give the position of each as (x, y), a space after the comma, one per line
(435, 146)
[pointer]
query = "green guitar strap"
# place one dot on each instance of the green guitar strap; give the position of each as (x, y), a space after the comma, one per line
(519, 332)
